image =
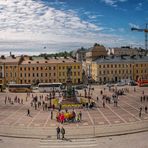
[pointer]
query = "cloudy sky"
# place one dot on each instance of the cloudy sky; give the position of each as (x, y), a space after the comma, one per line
(39, 26)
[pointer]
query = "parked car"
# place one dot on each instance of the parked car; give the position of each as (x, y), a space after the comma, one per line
(132, 83)
(120, 84)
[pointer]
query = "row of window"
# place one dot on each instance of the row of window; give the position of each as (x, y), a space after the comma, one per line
(121, 71)
(121, 65)
(45, 74)
(43, 68)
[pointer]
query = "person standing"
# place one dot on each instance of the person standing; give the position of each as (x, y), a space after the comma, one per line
(58, 132)
(51, 115)
(63, 132)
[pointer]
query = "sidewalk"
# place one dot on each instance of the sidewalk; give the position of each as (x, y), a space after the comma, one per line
(75, 132)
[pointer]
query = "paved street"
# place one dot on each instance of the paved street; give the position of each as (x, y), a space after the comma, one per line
(138, 140)
(126, 112)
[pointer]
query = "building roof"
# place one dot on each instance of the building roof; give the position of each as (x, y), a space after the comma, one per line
(41, 60)
(121, 59)
(10, 60)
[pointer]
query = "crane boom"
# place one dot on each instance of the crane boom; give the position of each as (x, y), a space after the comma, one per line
(137, 29)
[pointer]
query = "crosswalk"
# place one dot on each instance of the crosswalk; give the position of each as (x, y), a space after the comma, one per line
(68, 143)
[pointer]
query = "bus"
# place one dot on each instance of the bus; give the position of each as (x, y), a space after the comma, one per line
(142, 82)
(19, 87)
(49, 87)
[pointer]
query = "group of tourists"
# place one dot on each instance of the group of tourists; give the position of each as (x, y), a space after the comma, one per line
(11, 100)
(143, 99)
(69, 116)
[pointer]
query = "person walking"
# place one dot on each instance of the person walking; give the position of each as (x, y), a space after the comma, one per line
(63, 132)
(103, 104)
(140, 110)
(28, 112)
(146, 109)
(58, 132)
(97, 99)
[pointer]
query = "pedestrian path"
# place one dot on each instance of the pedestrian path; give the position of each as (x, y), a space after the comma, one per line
(68, 143)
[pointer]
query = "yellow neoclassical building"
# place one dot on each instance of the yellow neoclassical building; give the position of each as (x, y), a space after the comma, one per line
(114, 69)
(31, 70)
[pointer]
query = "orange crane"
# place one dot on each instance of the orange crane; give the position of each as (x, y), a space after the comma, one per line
(145, 30)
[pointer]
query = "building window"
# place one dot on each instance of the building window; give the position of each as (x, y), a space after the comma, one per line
(59, 73)
(49, 68)
(33, 74)
(32, 68)
(25, 68)
(54, 68)
(74, 67)
(20, 74)
(63, 67)
(49, 74)
(41, 74)
(59, 67)
(28, 68)
(41, 68)
(78, 67)
(45, 74)
(20, 68)
(28, 74)
(37, 68)
(74, 73)
(24, 74)
(63, 73)
(78, 73)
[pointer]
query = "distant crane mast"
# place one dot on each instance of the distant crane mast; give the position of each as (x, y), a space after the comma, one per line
(145, 30)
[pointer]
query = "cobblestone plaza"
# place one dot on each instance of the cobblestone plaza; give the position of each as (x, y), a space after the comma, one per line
(14, 116)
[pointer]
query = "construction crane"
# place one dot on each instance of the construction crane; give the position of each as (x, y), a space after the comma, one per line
(145, 30)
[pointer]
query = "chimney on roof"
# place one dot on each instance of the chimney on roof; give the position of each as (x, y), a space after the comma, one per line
(10, 53)
(2, 57)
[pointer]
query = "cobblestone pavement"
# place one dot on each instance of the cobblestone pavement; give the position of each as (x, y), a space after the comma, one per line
(126, 112)
(138, 140)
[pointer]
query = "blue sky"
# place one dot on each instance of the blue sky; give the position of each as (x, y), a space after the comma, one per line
(28, 26)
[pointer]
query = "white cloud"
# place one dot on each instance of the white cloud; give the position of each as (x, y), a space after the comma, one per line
(26, 21)
(139, 7)
(113, 2)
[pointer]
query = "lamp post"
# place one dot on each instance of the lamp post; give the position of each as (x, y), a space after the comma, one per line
(133, 70)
